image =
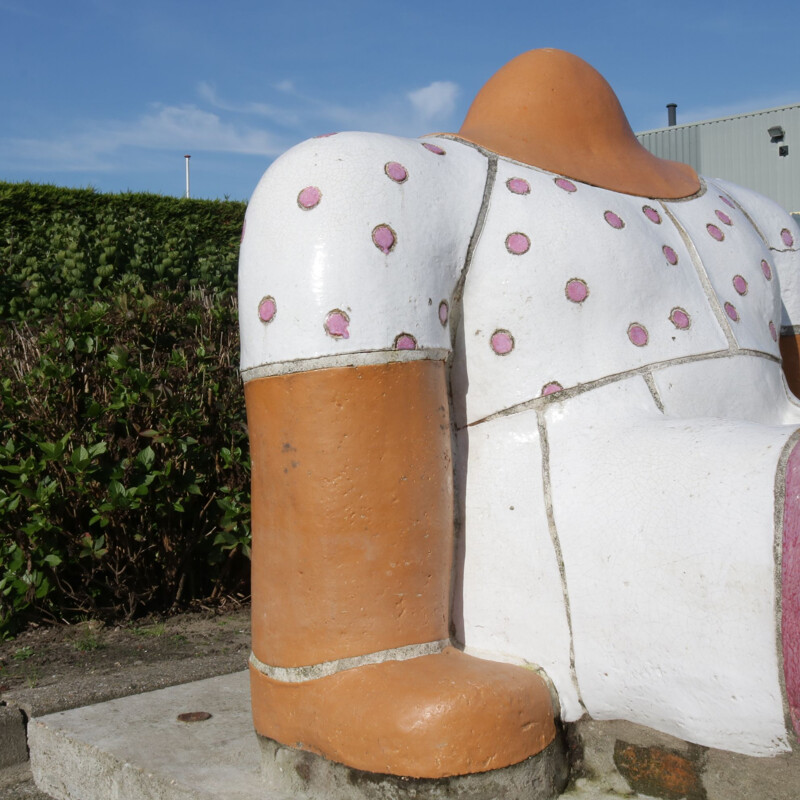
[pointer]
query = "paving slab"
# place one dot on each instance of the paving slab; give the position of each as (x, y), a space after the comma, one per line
(136, 748)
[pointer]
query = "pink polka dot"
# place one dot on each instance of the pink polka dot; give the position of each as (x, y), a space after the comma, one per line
(551, 388)
(405, 341)
(614, 220)
(680, 319)
(766, 269)
(502, 342)
(325, 135)
(731, 311)
(670, 254)
(336, 324)
(740, 284)
(309, 198)
(576, 290)
(444, 312)
(786, 237)
(267, 309)
(652, 214)
(384, 238)
(567, 186)
(723, 217)
(433, 148)
(727, 201)
(714, 232)
(638, 334)
(517, 243)
(397, 172)
(772, 332)
(518, 186)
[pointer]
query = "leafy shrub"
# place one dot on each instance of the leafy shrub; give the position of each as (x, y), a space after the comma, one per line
(123, 445)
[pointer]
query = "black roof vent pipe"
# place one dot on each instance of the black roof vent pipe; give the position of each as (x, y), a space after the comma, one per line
(672, 117)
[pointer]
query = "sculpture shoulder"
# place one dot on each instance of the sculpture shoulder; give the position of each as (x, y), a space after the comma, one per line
(331, 184)
(776, 225)
(369, 228)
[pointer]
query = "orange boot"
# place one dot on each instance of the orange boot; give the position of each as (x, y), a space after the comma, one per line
(352, 559)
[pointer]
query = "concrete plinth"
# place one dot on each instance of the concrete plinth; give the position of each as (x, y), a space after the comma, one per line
(135, 748)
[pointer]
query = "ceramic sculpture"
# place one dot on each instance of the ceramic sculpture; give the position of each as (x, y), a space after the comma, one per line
(538, 341)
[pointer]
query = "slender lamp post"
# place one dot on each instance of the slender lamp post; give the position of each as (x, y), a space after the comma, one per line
(187, 175)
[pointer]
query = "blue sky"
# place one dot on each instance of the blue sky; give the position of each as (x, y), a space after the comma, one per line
(112, 94)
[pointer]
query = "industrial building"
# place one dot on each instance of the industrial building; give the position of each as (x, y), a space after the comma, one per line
(759, 150)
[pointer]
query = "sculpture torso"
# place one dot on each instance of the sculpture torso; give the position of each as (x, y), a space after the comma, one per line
(571, 283)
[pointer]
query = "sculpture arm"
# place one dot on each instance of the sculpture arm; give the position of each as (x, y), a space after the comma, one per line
(348, 266)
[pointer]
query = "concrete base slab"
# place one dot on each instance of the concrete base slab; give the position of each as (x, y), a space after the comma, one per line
(135, 748)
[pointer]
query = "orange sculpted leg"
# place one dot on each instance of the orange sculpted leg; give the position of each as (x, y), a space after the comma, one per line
(352, 557)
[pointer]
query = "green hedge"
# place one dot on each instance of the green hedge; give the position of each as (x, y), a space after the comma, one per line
(75, 243)
(124, 472)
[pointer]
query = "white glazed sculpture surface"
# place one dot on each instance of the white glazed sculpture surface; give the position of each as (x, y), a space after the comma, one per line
(623, 424)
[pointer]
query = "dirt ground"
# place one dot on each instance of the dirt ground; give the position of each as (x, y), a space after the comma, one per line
(50, 668)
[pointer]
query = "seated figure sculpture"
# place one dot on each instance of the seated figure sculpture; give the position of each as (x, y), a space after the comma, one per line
(518, 388)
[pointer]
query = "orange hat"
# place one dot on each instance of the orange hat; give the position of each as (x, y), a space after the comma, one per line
(552, 110)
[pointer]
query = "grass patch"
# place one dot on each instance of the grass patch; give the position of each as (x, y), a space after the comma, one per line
(159, 629)
(23, 654)
(32, 677)
(87, 642)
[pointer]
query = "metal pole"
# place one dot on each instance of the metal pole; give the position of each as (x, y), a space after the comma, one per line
(187, 175)
(672, 114)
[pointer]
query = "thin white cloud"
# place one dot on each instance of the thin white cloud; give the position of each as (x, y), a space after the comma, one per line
(435, 101)
(409, 113)
(223, 127)
(79, 154)
(281, 116)
(188, 126)
(183, 128)
(303, 116)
